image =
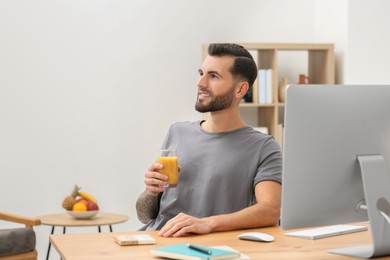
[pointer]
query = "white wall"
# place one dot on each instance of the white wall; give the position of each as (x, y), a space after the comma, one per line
(89, 88)
(368, 53)
(332, 26)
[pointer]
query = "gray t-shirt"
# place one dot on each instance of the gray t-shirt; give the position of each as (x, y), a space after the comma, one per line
(219, 171)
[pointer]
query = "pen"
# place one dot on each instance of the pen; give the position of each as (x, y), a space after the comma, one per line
(200, 249)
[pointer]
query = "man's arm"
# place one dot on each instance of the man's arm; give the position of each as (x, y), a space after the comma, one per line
(147, 207)
(148, 202)
(265, 212)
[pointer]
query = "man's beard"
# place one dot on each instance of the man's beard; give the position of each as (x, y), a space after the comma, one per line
(217, 103)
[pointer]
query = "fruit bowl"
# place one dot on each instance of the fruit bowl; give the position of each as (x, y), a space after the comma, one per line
(83, 214)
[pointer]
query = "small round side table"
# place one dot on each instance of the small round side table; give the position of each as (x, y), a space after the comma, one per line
(65, 220)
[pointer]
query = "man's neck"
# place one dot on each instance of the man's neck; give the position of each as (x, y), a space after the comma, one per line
(222, 121)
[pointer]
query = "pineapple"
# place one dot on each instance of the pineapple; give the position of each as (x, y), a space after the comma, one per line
(70, 200)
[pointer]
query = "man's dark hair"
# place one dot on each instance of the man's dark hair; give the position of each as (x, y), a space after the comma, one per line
(244, 67)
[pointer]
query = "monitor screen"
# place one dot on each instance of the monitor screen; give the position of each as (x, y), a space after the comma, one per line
(327, 128)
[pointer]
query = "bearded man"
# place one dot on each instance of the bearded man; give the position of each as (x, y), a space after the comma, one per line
(230, 174)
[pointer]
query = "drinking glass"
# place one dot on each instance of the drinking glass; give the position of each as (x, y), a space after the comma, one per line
(168, 158)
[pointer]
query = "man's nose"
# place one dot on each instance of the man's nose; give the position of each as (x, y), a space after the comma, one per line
(202, 82)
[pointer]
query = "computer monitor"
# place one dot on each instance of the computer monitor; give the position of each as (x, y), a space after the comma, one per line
(336, 158)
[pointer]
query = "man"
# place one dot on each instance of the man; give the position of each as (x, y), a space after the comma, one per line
(230, 174)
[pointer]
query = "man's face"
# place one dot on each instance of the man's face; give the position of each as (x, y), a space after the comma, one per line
(216, 86)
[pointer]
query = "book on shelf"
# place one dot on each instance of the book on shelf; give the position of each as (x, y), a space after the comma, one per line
(264, 85)
(268, 86)
(198, 252)
(261, 86)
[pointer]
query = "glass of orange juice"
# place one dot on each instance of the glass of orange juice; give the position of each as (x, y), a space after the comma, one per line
(168, 158)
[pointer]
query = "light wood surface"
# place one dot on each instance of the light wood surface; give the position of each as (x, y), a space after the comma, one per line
(65, 220)
(29, 222)
(102, 245)
(33, 255)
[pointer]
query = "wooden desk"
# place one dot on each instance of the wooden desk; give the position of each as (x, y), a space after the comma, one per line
(65, 220)
(102, 245)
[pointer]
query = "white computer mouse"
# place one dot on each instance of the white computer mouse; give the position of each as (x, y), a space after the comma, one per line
(256, 236)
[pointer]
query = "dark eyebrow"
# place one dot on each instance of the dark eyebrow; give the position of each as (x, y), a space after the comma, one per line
(211, 72)
(214, 72)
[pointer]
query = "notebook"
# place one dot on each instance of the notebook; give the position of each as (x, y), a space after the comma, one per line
(183, 251)
(130, 240)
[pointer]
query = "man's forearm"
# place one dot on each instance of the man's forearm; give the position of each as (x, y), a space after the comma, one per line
(266, 212)
(147, 207)
(252, 217)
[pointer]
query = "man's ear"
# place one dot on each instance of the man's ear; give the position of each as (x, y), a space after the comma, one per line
(242, 89)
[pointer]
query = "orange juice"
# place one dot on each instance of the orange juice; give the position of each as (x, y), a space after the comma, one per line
(170, 169)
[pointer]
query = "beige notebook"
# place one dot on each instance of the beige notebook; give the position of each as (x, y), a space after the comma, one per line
(130, 240)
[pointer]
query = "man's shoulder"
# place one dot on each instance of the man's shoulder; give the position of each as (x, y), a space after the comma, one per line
(184, 124)
(183, 128)
(265, 140)
(250, 130)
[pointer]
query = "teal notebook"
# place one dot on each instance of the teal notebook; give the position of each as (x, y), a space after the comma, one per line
(183, 251)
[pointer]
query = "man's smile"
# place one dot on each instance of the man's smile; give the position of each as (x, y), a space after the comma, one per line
(202, 95)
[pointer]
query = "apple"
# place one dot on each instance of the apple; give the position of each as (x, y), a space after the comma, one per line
(83, 201)
(92, 206)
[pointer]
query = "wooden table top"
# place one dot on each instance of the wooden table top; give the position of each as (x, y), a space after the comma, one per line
(102, 246)
(65, 220)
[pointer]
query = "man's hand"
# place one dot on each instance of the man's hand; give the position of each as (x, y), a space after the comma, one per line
(154, 180)
(183, 224)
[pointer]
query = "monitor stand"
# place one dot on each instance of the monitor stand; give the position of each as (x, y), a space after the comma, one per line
(376, 181)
